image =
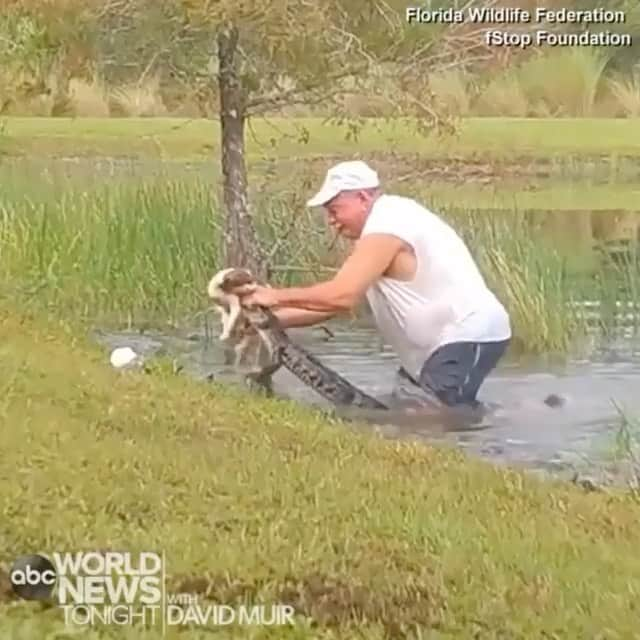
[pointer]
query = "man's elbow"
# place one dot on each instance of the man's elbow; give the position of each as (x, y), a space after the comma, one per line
(345, 301)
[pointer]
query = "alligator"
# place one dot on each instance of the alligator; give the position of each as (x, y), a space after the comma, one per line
(246, 324)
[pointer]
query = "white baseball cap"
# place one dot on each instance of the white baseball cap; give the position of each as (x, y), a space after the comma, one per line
(353, 174)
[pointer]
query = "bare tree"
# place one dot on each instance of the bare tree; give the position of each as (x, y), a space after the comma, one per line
(240, 243)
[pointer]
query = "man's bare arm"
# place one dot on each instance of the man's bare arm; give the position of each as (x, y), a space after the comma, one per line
(368, 261)
(293, 317)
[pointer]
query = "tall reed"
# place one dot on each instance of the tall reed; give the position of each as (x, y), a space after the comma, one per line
(529, 277)
(120, 251)
(144, 251)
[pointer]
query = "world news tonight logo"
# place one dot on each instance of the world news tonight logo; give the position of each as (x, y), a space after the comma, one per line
(92, 588)
(115, 588)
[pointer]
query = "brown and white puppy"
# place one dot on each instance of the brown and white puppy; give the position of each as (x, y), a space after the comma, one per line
(228, 304)
(236, 328)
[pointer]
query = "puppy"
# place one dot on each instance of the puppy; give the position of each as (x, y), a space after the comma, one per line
(227, 304)
(236, 328)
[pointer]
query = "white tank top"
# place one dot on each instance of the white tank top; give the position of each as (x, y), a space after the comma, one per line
(448, 299)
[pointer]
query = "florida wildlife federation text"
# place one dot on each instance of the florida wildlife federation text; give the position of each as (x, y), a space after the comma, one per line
(524, 37)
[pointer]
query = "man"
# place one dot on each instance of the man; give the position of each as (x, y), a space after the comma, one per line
(428, 298)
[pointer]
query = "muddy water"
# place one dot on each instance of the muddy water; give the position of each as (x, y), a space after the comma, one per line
(522, 430)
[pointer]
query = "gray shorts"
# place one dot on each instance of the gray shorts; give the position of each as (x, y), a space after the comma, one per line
(454, 372)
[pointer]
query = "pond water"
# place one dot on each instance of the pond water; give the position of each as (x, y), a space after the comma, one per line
(578, 437)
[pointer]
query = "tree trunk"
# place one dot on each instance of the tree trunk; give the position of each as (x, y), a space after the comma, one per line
(241, 248)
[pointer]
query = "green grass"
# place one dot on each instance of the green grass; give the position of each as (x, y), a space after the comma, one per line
(580, 192)
(132, 252)
(116, 251)
(572, 197)
(191, 139)
(143, 253)
(121, 250)
(270, 502)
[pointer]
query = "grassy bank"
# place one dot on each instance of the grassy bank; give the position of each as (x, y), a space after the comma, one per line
(174, 138)
(266, 505)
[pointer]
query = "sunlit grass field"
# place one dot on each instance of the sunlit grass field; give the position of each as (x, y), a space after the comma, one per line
(175, 138)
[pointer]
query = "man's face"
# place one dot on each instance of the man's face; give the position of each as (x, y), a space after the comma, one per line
(347, 212)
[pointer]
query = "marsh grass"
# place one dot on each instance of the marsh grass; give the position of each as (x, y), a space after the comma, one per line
(264, 501)
(627, 93)
(617, 288)
(561, 81)
(115, 251)
(133, 252)
(143, 252)
(528, 276)
(627, 448)
(503, 96)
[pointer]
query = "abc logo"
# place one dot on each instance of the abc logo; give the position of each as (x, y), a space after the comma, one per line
(33, 577)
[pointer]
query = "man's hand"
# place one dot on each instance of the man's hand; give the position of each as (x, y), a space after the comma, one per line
(254, 295)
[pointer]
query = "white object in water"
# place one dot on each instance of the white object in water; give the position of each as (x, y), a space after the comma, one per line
(122, 356)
